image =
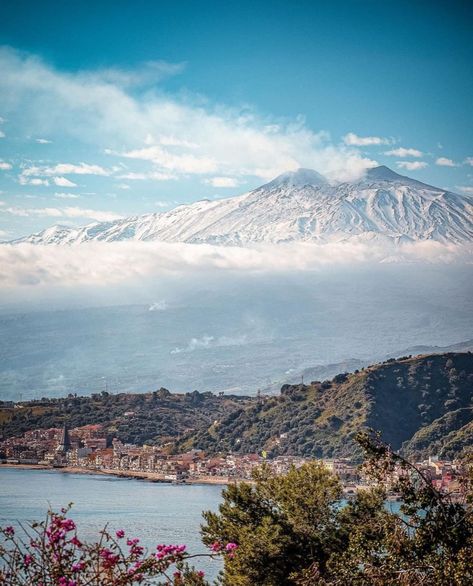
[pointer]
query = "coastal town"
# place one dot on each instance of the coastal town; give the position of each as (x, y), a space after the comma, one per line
(87, 449)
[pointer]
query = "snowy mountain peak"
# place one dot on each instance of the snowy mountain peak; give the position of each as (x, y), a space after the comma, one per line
(383, 173)
(299, 178)
(297, 206)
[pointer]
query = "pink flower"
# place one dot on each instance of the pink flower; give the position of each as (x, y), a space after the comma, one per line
(109, 559)
(120, 534)
(231, 546)
(216, 546)
(170, 551)
(134, 571)
(78, 567)
(68, 524)
(28, 560)
(63, 581)
(200, 574)
(9, 531)
(75, 541)
(135, 549)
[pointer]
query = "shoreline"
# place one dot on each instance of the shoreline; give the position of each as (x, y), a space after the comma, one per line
(131, 474)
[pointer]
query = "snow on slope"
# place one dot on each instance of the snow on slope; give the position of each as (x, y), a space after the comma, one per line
(297, 206)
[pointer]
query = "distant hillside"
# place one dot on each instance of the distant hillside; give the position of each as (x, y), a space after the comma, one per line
(135, 418)
(421, 404)
(328, 371)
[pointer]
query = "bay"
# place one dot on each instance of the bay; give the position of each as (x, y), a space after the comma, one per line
(154, 512)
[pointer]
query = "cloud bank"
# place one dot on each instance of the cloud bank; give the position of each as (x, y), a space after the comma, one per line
(100, 264)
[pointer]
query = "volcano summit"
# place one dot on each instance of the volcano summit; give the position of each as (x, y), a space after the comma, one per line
(297, 206)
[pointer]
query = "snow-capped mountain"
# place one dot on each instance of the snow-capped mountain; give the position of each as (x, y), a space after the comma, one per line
(297, 206)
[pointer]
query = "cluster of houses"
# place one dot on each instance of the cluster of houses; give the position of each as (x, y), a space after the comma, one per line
(89, 448)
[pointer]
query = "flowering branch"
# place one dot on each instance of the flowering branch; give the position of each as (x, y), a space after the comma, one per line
(51, 554)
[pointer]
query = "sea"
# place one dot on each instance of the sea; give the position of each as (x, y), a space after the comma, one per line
(154, 512)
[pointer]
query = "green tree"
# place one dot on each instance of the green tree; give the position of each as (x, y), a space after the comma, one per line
(294, 529)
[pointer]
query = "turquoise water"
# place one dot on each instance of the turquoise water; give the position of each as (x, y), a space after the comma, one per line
(157, 513)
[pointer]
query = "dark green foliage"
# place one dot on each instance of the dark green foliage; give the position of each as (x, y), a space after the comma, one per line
(145, 418)
(276, 523)
(410, 399)
(293, 529)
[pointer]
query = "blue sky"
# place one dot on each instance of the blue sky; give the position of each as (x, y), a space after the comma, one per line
(119, 108)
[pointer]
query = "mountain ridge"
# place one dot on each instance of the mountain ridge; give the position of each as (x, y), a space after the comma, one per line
(296, 206)
(420, 404)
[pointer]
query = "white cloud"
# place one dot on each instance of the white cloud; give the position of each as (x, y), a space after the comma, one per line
(102, 263)
(403, 152)
(469, 161)
(184, 163)
(411, 165)
(205, 342)
(98, 215)
(2, 134)
(122, 186)
(149, 176)
(5, 166)
(468, 189)
(222, 182)
(353, 139)
(26, 212)
(149, 73)
(63, 182)
(158, 306)
(162, 203)
(67, 212)
(43, 141)
(62, 195)
(97, 108)
(32, 181)
(444, 162)
(66, 169)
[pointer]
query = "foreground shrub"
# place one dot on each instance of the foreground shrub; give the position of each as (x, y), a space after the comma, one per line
(50, 553)
(294, 529)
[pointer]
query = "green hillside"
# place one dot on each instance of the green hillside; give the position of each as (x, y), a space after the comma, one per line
(151, 418)
(421, 404)
(409, 400)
